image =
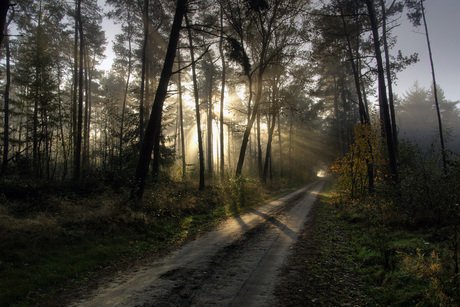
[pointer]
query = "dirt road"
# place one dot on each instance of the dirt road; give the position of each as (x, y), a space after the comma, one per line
(234, 265)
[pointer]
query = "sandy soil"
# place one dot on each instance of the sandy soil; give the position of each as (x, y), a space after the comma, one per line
(235, 265)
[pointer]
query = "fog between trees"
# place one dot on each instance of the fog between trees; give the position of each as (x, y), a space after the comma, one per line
(277, 87)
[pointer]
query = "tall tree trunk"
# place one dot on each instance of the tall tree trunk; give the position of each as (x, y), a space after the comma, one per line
(382, 93)
(85, 159)
(144, 64)
(435, 92)
(259, 148)
(61, 124)
(363, 87)
(362, 111)
(4, 6)
(154, 124)
(73, 129)
(291, 126)
(269, 148)
(197, 107)
(280, 147)
(125, 96)
(229, 145)
(90, 103)
(77, 160)
(273, 111)
(209, 121)
(222, 96)
(337, 117)
(389, 78)
(47, 143)
(181, 118)
(6, 136)
(251, 120)
(38, 73)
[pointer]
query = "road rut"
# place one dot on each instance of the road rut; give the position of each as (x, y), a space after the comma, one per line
(234, 265)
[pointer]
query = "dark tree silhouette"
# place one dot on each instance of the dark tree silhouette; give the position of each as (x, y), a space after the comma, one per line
(154, 124)
(4, 6)
(383, 99)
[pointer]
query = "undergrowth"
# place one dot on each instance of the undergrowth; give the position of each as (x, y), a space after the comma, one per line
(53, 239)
(406, 234)
(347, 258)
(401, 266)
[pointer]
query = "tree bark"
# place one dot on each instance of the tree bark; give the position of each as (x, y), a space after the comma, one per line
(209, 120)
(435, 92)
(259, 147)
(291, 126)
(7, 104)
(154, 124)
(181, 118)
(280, 147)
(85, 158)
(251, 120)
(144, 64)
(197, 107)
(77, 159)
(4, 6)
(73, 134)
(37, 100)
(362, 111)
(125, 96)
(382, 93)
(389, 78)
(61, 124)
(337, 117)
(269, 148)
(222, 96)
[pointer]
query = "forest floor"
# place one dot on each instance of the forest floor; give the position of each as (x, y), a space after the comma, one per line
(235, 264)
(321, 270)
(300, 250)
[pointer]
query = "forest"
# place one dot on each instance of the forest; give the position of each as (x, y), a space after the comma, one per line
(209, 107)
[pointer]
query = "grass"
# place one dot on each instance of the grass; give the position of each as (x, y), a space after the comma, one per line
(344, 258)
(63, 240)
(395, 265)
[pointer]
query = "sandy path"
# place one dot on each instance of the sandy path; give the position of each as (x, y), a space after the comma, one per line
(234, 265)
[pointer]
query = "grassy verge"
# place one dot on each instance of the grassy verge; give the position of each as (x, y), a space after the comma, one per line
(344, 258)
(62, 240)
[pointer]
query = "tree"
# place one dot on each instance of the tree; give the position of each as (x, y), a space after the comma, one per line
(364, 117)
(125, 58)
(35, 70)
(181, 116)
(383, 99)
(418, 121)
(264, 18)
(197, 106)
(395, 6)
(4, 6)
(222, 94)
(145, 19)
(79, 109)
(6, 137)
(438, 112)
(154, 125)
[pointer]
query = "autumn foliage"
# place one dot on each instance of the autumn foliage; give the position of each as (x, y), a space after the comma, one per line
(364, 159)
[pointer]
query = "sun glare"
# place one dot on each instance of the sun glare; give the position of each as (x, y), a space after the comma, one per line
(321, 174)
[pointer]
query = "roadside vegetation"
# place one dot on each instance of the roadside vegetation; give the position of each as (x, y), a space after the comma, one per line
(405, 237)
(369, 252)
(60, 238)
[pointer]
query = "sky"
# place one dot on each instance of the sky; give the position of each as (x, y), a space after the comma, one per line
(443, 19)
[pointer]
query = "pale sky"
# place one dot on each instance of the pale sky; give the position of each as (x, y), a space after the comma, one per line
(443, 18)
